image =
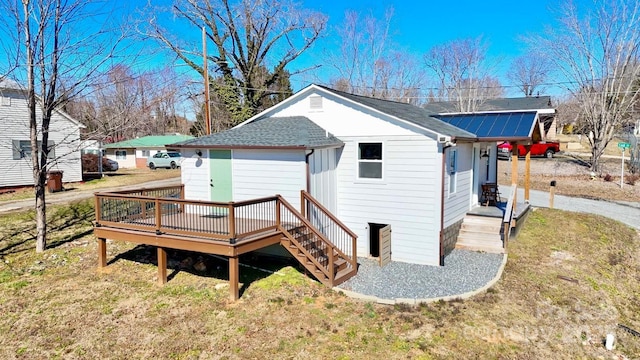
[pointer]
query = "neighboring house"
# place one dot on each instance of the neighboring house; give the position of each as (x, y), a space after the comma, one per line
(134, 153)
(371, 162)
(540, 104)
(15, 146)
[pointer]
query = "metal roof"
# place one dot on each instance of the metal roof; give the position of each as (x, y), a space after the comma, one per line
(495, 126)
(149, 141)
(269, 132)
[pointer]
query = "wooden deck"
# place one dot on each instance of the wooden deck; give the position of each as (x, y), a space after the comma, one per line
(162, 217)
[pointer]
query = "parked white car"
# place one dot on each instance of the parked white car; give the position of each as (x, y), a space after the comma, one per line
(169, 160)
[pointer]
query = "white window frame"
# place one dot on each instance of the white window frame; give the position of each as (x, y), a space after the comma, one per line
(452, 170)
(121, 157)
(381, 161)
(146, 153)
(5, 101)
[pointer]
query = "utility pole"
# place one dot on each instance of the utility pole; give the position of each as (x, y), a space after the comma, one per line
(207, 115)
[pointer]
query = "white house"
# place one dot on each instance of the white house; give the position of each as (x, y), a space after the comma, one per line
(371, 162)
(15, 146)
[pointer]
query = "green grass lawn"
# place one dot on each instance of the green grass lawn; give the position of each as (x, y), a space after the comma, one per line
(570, 280)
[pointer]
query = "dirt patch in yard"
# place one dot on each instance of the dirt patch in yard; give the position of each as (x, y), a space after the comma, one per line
(573, 178)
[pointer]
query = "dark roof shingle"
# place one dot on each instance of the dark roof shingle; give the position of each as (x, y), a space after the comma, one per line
(269, 132)
(502, 104)
(408, 112)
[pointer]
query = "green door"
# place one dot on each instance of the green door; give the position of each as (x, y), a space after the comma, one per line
(220, 182)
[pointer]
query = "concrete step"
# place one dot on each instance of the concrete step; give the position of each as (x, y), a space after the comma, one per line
(488, 249)
(476, 236)
(484, 220)
(494, 229)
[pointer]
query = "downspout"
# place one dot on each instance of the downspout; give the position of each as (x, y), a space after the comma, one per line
(442, 205)
(306, 160)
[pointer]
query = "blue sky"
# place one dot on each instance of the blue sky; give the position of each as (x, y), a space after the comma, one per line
(419, 25)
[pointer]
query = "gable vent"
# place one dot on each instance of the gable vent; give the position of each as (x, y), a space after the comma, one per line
(315, 102)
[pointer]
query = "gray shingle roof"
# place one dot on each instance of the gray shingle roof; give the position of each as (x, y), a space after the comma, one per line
(277, 132)
(502, 104)
(407, 112)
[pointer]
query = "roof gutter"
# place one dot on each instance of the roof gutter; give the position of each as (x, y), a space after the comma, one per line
(306, 160)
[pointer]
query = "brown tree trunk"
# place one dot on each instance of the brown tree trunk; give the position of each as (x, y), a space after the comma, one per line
(41, 213)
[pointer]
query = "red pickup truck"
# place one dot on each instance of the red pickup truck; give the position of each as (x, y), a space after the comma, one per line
(544, 148)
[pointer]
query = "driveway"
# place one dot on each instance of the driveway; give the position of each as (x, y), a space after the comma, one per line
(65, 197)
(626, 212)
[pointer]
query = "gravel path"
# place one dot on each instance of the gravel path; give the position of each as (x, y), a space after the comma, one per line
(625, 212)
(464, 271)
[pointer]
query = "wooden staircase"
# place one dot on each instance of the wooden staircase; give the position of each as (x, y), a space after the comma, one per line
(481, 233)
(322, 259)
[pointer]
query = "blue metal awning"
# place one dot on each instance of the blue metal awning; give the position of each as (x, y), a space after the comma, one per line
(495, 126)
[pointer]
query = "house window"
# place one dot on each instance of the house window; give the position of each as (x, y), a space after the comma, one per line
(5, 101)
(145, 153)
(370, 160)
(121, 154)
(22, 149)
(452, 169)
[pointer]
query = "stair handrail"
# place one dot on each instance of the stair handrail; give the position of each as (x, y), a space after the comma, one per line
(508, 216)
(320, 236)
(304, 195)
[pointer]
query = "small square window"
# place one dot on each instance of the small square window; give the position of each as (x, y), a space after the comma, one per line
(121, 154)
(370, 160)
(5, 101)
(145, 153)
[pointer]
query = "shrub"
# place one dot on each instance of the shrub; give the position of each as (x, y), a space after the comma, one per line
(608, 178)
(631, 179)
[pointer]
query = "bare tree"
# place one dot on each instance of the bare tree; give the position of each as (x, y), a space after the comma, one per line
(598, 50)
(248, 36)
(462, 73)
(369, 63)
(529, 72)
(43, 34)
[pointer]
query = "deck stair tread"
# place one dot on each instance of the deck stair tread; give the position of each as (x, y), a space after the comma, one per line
(481, 233)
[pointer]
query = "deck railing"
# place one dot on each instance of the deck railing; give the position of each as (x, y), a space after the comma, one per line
(508, 216)
(322, 219)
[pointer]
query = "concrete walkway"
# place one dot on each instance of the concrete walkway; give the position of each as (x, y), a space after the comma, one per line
(626, 212)
(77, 195)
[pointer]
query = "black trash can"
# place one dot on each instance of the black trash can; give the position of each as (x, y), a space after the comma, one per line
(54, 181)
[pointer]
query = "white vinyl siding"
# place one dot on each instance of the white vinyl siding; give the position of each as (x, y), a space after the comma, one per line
(261, 173)
(408, 199)
(322, 166)
(63, 132)
(456, 205)
(195, 175)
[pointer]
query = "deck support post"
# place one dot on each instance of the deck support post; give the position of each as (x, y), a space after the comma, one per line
(234, 278)
(162, 265)
(102, 252)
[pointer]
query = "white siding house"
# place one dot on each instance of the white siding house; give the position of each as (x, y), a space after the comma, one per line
(15, 147)
(371, 162)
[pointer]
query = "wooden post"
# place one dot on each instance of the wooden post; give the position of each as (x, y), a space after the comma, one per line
(162, 266)
(232, 223)
(102, 252)
(527, 173)
(97, 209)
(234, 278)
(514, 163)
(302, 204)
(182, 198)
(144, 205)
(514, 172)
(552, 192)
(158, 216)
(278, 222)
